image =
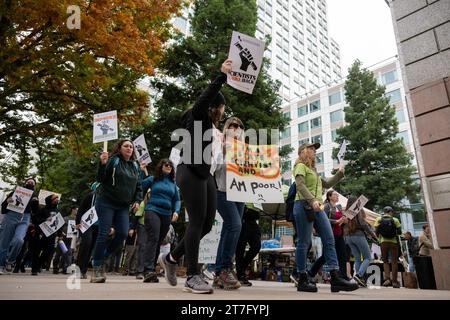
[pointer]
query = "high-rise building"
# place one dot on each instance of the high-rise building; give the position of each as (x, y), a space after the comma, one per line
(303, 56)
(316, 117)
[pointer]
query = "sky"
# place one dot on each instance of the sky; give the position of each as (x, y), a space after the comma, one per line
(363, 29)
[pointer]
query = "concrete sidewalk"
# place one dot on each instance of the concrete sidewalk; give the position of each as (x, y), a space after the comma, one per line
(54, 287)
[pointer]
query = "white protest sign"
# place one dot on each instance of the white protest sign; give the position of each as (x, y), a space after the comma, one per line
(259, 206)
(253, 173)
(71, 229)
(175, 157)
(53, 225)
(342, 150)
(356, 207)
(105, 126)
(44, 194)
(246, 53)
(207, 251)
(141, 150)
(376, 250)
(88, 219)
(21, 197)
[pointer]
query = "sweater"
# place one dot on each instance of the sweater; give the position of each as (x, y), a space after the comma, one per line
(164, 195)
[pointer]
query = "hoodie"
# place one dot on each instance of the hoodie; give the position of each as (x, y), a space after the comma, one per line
(46, 212)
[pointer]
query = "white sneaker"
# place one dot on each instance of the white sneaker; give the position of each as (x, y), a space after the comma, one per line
(2, 270)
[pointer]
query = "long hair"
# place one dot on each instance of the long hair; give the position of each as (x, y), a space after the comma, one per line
(118, 145)
(231, 120)
(329, 194)
(159, 175)
(306, 159)
(353, 224)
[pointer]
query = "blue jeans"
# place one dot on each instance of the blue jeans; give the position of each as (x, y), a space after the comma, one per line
(12, 232)
(304, 228)
(231, 213)
(107, 214)
(359, 246)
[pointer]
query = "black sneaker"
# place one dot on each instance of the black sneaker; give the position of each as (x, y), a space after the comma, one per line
(244, 281)
(360, 280)
(151, 277)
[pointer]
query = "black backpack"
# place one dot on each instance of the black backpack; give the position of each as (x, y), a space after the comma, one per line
(387, 227)
(290, 202)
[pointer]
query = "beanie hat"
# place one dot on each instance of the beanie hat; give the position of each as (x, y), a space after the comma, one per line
(218, 100)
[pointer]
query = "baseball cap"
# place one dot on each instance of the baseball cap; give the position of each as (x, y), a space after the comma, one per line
(388, 209)
(307, 145)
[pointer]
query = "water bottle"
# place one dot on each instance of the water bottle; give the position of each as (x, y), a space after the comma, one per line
(62, 246)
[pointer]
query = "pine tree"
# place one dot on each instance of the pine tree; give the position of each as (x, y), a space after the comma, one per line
(195, 60)
(379, 165)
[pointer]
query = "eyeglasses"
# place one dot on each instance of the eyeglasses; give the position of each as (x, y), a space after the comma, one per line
(236, 126)
(167, 165)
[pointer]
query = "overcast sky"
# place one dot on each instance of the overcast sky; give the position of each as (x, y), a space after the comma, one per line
(363, 29)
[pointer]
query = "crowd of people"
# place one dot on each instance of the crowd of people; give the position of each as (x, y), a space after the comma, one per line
(135, 213)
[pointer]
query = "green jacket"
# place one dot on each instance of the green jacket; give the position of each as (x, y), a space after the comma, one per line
(120, 182)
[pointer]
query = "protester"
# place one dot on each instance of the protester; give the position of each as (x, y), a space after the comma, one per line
(387, 229)
(413, 249)
(120, 187)
(425, 242)
(337, 220)
(62, 260)
(14, 227)
(164, 200)
(357, 232)
(131, 252)
(251, 235)
(231, 213)
(197, 185)
(308, 208)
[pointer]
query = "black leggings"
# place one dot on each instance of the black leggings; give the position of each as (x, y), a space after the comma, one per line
(341, 252)
(200, 199)
(251, 234)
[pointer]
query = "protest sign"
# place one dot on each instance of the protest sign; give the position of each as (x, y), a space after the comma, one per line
(71, 229)
(52, 225)
(342, 150)
(44, 194)
(207, 252)
(246, 53)
(21, 197)
(175, 157)
(88, 219)
(356, 207)
(141, 150)
(105, 128)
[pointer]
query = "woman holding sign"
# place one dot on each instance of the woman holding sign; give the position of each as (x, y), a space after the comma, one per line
(120, 188)
(197, 185)
(309, 210)
(231, 213)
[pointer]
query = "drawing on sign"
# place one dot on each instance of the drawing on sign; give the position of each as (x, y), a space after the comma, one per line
(140, 149)
(245, 55)
(356, 207)
(19, 201)
(342, 151)
(52, 225)
(55, 223)
(88, 219)
(21, 197)
(104, 127)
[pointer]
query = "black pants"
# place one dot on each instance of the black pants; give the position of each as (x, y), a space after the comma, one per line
(88, 239)
(42, 249)
(200, 199)
(341, 252)
(251, 234)
(63, 260)
(156, 227)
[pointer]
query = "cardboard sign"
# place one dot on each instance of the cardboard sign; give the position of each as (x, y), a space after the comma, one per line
(141, 150)
(105, 126)
(88, 219)
(342, 150)
(253, 173)
(21, 197)
(207, 252)
(51, 226)
(71, 229)
(44, 194)
(247, 55)
(356, 207)
(175, 157)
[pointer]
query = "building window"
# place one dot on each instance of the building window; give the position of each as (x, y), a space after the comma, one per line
(287, 115)
(334, 98)
(303, 127)
(317, 139)
(314, 106)
(404, 136)
(316, 123)
(389, 77)
(301, 111)
(334, 135)
(319, 158)
(400, 114)
(286, 133)
(394, 96)
(303, 141)
(336, 116)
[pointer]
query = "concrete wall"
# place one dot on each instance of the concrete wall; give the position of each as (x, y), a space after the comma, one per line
(423, 38)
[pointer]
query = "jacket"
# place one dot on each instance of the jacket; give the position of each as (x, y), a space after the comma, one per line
(425, 245)
(164, 196)
(44, 213)
(200, 112)
(121, 183)
(331, 212)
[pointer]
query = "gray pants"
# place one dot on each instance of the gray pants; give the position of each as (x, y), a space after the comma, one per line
(156, 227)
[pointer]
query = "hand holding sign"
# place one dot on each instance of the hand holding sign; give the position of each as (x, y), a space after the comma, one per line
(226, 66)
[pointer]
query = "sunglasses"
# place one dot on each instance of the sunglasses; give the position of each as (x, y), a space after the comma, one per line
(167, 165)
(236, 126)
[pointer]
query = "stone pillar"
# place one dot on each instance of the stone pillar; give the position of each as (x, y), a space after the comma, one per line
(422, 30)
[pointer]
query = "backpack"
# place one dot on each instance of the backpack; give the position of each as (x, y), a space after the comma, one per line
(387, 227)
(290, 202)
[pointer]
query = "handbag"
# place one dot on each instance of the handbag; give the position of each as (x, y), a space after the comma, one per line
(309, 210)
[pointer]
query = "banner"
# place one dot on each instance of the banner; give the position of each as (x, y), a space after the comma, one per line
(253, 173)
(207, 251)
(51, 226)
(44, 194)
(356, 207)
(247, 54)
(105, 126)
(71, 229)
(21, 197)
(141, 150)
(88, 219)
